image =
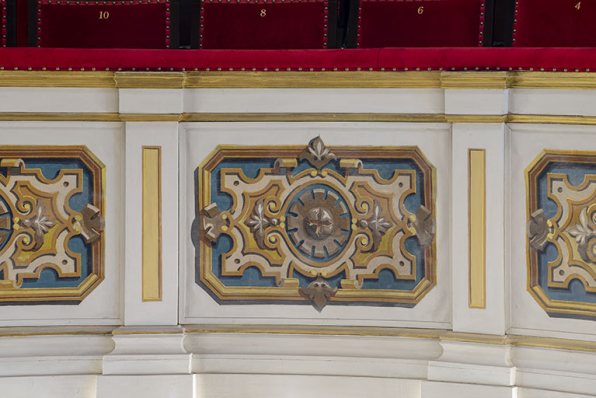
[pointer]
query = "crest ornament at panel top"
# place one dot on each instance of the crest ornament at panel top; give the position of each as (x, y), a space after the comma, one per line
(316, 224)
(51, 223)
(561, 232)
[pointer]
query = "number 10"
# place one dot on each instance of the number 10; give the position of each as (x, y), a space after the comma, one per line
(104, 15)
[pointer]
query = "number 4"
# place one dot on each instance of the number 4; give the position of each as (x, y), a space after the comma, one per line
(578, 5)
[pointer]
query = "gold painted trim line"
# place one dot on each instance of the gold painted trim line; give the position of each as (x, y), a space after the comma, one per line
(152, 250)
(476, 228)
(314, 117)
(60, 116)
(476, 118)
(552, 119)
(317, 330)
(295, 117)
(150, 117)
(135, 330)
(55, 331)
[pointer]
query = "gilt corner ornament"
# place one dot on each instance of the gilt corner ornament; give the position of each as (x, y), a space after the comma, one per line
(316, 224)
(561, 232)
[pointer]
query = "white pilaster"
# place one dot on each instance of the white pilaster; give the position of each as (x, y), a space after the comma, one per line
(492, 319)
(165, 311)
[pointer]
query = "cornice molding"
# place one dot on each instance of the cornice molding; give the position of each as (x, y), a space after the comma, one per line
(370, 331)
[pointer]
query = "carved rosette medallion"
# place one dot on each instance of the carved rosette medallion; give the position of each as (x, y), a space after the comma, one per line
(51, 224)
(561, 232)
(316, 224)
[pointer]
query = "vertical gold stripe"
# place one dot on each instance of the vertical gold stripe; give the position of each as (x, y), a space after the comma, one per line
(152, 290)
(477, 228)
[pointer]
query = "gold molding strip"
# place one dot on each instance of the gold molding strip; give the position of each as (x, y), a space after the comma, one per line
(152, 256)
(474, 80)
(336, 79)
(133, 330)
(476, 118)
(553, 80)
(60, 116)
(57, 79)
(476, 228)
(299, 79)
(149, 80)
(13, 331)
(150, 117)
(314, 117)
(552, 119)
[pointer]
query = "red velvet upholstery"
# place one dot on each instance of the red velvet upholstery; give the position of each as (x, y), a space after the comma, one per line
(385, 59)
(4, 16)
(22, 22)
(420, 23)
(555, 23)
(263, 25)
(129, 24)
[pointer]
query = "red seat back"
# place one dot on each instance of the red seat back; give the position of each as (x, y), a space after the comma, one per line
(262, 24)
(105, 24)
(420, 23)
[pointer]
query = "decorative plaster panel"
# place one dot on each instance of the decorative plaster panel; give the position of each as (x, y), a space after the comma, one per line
(562, 232)
(316, 225)
(51, 223)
